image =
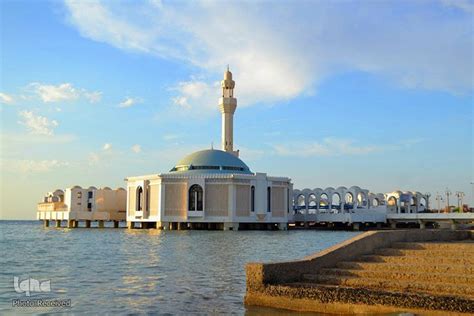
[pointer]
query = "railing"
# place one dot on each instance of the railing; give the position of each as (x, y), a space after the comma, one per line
(51, 206)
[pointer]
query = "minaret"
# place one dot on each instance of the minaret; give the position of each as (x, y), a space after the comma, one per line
(227, 105)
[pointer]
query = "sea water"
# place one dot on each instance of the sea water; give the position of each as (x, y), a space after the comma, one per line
(142, 271)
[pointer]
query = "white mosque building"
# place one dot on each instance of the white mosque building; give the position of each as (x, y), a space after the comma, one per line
(215, 189)
(210, 189)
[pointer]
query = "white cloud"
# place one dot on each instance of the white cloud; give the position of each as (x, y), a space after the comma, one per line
(58, 93)
(107, 146)
(196, 94)
(6, 99)
(63, 92)
(136, 148)
(39, 166)
(169, 137)
(26, 139)
(328, 147)
(128, 102)
(465, 5)
(93, 97)
(311, 41)
(36, 124)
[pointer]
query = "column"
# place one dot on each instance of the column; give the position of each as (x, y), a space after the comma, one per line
(422, 224)
(283, 226)
(356, 226)
(101, 224)
(454, 225)
(159, 225)
(88, 223)
(231, 226)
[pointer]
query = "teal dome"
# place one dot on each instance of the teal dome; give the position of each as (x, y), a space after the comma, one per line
(211, 161)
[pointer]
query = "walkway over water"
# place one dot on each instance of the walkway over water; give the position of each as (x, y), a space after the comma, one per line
(423, 218)
(355, 206)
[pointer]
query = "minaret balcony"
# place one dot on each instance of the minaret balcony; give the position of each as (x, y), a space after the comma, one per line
(228, 105)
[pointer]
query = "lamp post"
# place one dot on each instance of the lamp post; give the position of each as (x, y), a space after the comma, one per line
(472, 196)
(427, 206)
(460, 196)
(448, 193)
(439, 199)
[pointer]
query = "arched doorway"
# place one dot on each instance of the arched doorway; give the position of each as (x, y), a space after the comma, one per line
(392, 204)
(361, 200)
(324, 201)
(195, 198)
(312, 206)
(335, 203)
(300, 204)
(348, 201)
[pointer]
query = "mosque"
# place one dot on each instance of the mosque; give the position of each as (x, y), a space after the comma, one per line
(210, 189)
(215, 189)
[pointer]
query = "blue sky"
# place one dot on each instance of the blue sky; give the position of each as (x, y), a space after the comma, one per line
(375, 94)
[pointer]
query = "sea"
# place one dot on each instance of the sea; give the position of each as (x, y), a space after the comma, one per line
(122, 271)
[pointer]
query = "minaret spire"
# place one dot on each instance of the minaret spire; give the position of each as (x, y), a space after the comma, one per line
(227, 105)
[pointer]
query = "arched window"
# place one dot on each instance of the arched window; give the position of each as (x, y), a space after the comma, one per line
(252, 199)
(269, 199)
(195, 198)
(139, 198)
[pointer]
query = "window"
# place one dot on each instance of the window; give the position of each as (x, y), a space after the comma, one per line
(252, 199)
(89, 206)
(204, 167)
(288, 200)
(269, 199)
(195, 198)
(147, 199)
(89, 194)
(139, 198)
(232, 168)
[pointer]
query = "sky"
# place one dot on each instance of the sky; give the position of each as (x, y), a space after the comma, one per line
(377, 94)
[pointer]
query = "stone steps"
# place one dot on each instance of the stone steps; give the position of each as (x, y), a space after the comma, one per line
(434, 260)
(403, 275)
(392, 267)
(394, 285)
(455, 246)
(425, 252)
(440, 303)
(429, 267)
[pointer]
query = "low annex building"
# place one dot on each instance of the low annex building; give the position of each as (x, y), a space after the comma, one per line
(83, 204)
(210, 189)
